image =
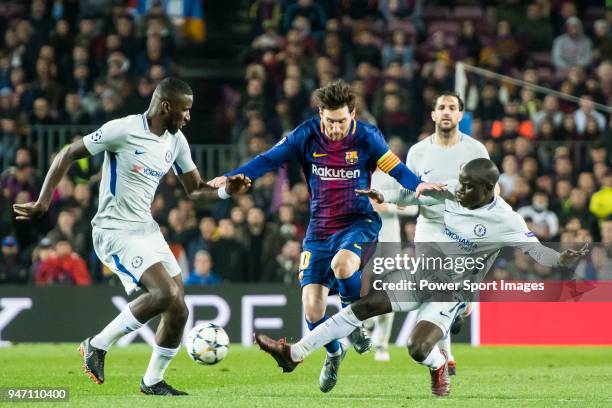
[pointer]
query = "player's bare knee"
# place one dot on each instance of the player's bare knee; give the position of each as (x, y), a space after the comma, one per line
(419, 351)
(314, 313)
(180, 312)
(165, 297)
(343, 268)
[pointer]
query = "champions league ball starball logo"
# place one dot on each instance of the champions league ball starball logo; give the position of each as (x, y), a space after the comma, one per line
(480, 230)
(137, 261)
(96, 136)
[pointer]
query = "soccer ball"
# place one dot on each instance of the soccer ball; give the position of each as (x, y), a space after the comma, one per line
(207, 344)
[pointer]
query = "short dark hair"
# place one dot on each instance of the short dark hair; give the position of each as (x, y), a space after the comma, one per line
(335, 95)
(172, 88)
(447, 93)
(484, 169)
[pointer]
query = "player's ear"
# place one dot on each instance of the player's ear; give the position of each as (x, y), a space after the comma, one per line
(353, 114)
(165, 106)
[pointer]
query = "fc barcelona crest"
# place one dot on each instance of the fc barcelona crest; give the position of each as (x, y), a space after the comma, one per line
(351, 157)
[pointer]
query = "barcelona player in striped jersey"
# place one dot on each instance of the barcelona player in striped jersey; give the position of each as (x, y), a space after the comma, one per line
(338, 155)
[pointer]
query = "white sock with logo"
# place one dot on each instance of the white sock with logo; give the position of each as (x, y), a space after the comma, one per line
(338, 326)
(121, 325)
(435, 359)
(160, 360)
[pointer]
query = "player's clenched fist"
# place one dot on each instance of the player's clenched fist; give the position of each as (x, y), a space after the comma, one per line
(237, 184)
(373, 194)
(29, 211)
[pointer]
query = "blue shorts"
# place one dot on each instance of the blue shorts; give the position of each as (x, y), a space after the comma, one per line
(315, 261)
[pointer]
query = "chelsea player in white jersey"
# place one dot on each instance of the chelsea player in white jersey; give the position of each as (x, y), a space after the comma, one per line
(439, 158)
(473, 214)
(138, 151)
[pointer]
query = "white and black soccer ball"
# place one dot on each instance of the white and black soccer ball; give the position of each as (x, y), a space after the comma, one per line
(207, 344)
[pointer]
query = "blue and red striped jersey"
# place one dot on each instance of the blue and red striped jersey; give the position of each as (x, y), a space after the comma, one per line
(333, 170)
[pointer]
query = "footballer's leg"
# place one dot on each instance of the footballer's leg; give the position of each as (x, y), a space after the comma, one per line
(167, 298)
(314, 299)
(338, 326)
(345, 265)
(433, 322)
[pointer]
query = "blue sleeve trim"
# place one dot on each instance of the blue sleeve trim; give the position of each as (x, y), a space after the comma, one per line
(113, 172)
(178, 168)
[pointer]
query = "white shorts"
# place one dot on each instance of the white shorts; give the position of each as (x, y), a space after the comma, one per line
(442, 314)
(128, 254)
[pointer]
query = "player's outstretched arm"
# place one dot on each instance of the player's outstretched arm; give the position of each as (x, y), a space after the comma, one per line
(197, 188)
(549, 257)
(62, 162)
(404, 197)
(264, 163)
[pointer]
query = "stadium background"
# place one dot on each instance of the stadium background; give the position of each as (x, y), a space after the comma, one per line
(66, 67)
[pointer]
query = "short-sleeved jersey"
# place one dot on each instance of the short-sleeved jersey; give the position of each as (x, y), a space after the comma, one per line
(333, 170)
(135, 160)
(434, 163)
(390, 230)
(482, 231)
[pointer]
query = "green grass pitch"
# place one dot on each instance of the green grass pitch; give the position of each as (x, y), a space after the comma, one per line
(486, 377)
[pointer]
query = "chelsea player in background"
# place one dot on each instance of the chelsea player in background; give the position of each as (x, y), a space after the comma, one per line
(338, 155)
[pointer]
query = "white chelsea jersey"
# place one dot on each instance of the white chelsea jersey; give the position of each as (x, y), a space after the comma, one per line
(481, 231)
(135, 160)
(436, 164)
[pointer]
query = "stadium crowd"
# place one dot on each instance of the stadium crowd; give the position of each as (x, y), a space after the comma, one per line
(61, 64)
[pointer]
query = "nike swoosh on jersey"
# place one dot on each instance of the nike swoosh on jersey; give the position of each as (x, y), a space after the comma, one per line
(428, 171)
(319, 154)
(139, 152)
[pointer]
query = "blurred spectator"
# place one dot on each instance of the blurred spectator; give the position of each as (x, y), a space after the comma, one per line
(73, 112)
(262, 242)
(549, 111)
(204, 240)
(587, 112)
(202, 272)
(12, 269)
(572, 48)
(536, 30)
(288, 263)
(228, 254)
(545, 222)
(601, 201)
(310, 10)
(64, 266)
(21, 177)
(65, 231)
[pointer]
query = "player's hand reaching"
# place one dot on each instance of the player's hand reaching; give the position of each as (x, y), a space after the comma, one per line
(217, 182)
(29, 211)
(373, 194)
(569, 256)
(237, 184)
(421, 188)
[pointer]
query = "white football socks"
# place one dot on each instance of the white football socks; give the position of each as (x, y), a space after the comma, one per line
(336, 327)
(160, 360)
(435, 359)
(121, 325)
(445, 344)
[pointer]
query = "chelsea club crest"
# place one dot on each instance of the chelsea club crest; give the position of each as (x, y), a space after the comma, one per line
(480, 230)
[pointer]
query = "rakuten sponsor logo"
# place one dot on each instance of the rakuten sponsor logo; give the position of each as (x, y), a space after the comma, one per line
(325, 173)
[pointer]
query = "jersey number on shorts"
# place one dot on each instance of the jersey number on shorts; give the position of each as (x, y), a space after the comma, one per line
(304, 260)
